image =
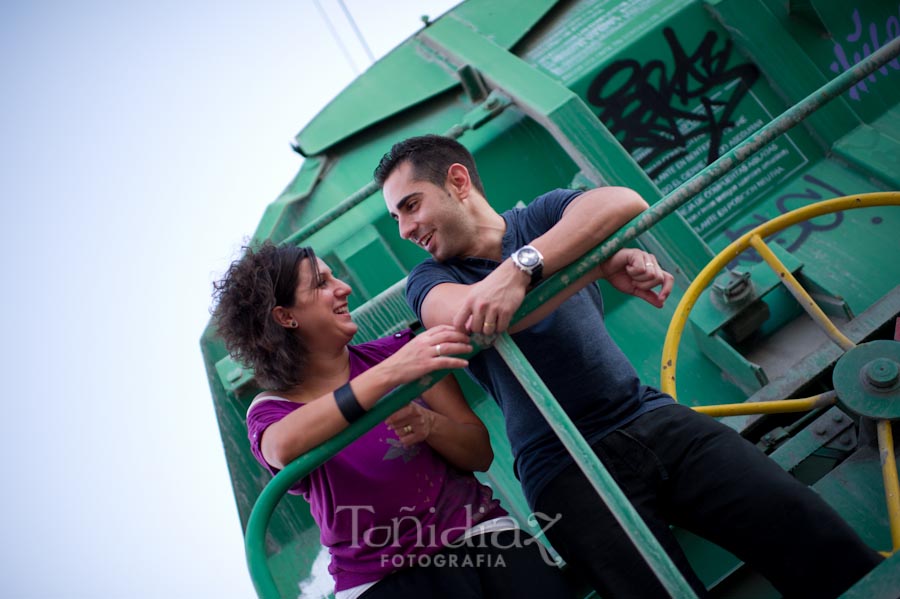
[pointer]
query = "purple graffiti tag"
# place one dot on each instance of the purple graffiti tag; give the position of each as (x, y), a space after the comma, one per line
(799, 232)
(891, 29)
(638, 102)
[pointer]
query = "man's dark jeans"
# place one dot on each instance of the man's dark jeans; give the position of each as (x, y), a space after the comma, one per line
(683, 468)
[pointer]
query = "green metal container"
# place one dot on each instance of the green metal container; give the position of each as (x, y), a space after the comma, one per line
(644, 94)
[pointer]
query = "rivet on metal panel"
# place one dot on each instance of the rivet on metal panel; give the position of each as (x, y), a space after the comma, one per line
(774, 437)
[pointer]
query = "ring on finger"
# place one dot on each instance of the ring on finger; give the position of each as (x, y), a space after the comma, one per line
(437, 350)
(489, 325)
(407, 429)
(648, 264)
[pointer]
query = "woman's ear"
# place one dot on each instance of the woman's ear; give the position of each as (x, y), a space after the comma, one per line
(284, 317)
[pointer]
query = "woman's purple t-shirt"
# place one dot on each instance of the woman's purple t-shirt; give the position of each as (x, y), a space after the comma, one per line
(375, 500)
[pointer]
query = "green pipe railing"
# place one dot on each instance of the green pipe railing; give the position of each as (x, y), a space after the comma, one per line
(599, 477)
(255, 537)
(352, 201)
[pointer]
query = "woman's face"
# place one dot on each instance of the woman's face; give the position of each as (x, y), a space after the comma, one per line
(320, 306)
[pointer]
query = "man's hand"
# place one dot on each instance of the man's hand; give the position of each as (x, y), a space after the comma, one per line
(636, 273)
(489, 304)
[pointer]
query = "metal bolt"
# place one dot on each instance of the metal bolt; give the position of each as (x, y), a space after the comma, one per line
(733, 287)
(845, 440)
(881, 373)
(837, 417)
(821, 430)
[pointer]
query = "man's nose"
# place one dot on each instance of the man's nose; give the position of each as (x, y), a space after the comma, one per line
(407, 229)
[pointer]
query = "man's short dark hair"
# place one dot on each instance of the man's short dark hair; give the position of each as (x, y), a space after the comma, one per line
(430, 157)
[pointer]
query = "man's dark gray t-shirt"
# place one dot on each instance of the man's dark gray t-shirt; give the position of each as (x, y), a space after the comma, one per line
(570, 349)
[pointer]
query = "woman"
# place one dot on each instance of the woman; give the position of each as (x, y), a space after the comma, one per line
(399, 509)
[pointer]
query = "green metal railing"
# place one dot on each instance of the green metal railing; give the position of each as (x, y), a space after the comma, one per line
(597, 474)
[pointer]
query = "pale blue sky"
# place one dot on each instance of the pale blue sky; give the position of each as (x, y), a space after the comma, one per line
(141, 144)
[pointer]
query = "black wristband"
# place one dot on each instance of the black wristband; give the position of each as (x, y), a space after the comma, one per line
(348, 404)
(536, 275)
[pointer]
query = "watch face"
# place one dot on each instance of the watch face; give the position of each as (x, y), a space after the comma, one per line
(528, 257)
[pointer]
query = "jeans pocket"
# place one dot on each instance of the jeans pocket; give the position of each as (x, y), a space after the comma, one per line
(631, 453)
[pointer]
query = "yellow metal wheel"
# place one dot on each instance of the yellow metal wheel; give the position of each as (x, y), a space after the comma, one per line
(754, 239)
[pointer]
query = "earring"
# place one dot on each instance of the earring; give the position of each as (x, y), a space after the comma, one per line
(294, 324)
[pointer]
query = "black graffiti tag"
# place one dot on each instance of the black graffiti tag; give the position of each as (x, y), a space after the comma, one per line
(638, 102)
(801, 231)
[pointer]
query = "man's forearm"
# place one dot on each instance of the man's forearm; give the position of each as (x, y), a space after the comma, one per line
(588, 221)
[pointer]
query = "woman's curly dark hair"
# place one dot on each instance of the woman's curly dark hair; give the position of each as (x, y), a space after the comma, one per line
(264, 277)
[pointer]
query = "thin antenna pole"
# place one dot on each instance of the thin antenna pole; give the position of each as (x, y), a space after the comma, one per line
(337, 37)
(359, 34)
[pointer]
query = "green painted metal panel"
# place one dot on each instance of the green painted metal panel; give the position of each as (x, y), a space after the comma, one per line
(810, 439)
(370, 98)
(775, 40)
(284, 213)
(232, 375)
(870, 149)
(711, 315)
(880, 583)
(408, 75)
(369, 261)
(666, 80)
(855, 489)
(889, 122)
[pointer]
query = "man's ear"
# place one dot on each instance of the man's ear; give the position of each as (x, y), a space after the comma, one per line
(459, 181)
(284, 317)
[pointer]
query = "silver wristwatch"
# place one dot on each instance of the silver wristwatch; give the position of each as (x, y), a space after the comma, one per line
(529, 260)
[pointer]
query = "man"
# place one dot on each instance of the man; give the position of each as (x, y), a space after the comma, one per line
(676, 466)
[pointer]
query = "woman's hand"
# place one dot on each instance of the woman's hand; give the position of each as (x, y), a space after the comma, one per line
(447, 424)
(412, 423)
(429, 351)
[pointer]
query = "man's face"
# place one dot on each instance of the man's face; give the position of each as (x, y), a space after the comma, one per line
(428, 215)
